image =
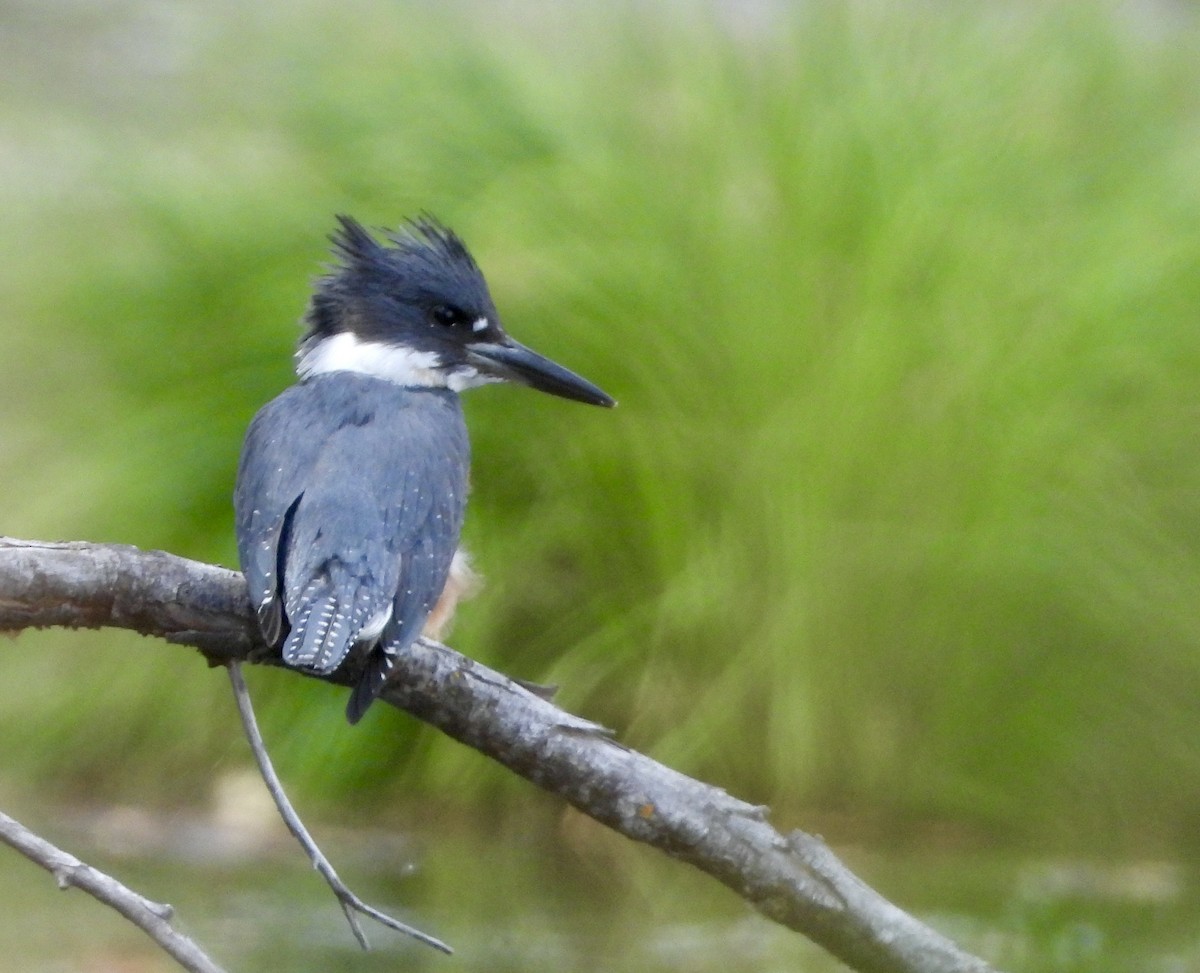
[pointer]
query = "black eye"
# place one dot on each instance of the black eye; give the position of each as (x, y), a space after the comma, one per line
(447, 316)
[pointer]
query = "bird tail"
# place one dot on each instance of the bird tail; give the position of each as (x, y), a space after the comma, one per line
(378, 668)
(323, 632)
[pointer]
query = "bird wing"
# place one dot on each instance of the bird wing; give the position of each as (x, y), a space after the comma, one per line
(423, 572)
(350, 512)
(277, 459)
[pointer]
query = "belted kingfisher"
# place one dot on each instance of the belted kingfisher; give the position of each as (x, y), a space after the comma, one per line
(352, 483)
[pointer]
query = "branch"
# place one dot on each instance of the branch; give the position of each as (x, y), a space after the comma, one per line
(152, 917)
(794, 879)
(351, 904)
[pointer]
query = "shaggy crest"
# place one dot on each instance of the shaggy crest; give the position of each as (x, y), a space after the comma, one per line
(425, 258)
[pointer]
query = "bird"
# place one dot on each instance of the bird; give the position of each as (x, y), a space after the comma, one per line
(352, 483)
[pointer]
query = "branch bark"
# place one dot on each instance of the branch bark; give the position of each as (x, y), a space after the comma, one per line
(153, 918)
(792, 878)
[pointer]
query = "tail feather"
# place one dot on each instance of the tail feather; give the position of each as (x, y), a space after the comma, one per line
(321, 636)
(270, 620)
(294, 643)
(370, 685)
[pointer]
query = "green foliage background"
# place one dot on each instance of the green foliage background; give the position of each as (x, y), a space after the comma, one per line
(899, 514)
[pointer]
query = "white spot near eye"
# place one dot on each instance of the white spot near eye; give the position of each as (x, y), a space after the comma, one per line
(479, 324)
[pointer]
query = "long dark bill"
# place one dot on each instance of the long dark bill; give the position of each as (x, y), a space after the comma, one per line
(512, 360)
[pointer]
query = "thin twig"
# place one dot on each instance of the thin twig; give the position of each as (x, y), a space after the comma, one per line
(350, 902)
(154, 918)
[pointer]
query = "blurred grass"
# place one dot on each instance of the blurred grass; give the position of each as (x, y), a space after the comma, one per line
(898, 516)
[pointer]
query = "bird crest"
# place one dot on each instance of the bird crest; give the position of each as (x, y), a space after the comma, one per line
(419, 263)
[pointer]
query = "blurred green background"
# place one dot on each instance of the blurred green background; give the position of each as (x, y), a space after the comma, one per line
(897, 527)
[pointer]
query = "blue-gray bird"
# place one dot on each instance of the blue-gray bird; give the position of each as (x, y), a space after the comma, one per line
(352, 484)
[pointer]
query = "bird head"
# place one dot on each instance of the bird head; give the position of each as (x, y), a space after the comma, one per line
(416, 311)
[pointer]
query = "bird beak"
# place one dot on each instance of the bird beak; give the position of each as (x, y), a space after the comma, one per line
(511, 360)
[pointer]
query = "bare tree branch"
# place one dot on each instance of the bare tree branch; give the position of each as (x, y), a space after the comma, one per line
(794, 879)
(152, 917)
(351, 904)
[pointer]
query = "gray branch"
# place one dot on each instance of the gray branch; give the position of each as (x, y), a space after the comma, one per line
(69, 872)
(792, 878)
(351, 904)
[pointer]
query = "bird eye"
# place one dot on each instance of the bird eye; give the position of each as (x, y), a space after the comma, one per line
(448, 316)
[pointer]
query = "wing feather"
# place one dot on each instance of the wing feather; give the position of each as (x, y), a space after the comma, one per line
(434, 498)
